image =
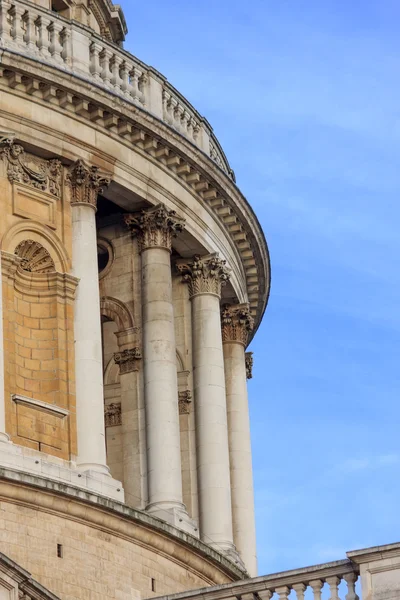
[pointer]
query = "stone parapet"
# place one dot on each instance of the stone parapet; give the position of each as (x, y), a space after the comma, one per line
(71, 47)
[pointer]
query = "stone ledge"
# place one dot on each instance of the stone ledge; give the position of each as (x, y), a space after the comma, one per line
(114, 517)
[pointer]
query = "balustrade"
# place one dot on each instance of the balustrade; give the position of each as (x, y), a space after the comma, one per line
(35, 32)
(332, 581)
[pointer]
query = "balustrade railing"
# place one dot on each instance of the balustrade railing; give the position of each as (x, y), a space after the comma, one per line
(332, 581)
(45, 36)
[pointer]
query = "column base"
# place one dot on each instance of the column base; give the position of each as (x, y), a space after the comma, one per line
(4, 438)
(95, 468)
(63, 471)
(175, 515)
(229, 550)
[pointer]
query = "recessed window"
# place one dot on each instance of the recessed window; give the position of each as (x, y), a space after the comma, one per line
(153, 585)
(59, 550)
(105, 256)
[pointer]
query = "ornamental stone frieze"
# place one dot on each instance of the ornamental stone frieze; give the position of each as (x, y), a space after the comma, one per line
(249, 365)
(237, 323)
(113, 414)
(128, 360)
(22, 167)
(204, 274)
(155, 227)
(85, 183)
(185, 400)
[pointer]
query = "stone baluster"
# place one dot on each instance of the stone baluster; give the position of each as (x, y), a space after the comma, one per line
(30, 31)
(105, 58)
(237, 323)
(115, 65)
(56, 48)
(173, 105)
(3, 436)
(17, 29)
(43, 41)
(125, 78)
(66, 41)
(317, 586)
(166, 97)
(300, 589)
(265, 594)
(205, 277)
(155, 228)
(85, 183)
(5, 30)
(283, 592)
(333, 583)
(137, 95)
(351, 580)
(95, 62)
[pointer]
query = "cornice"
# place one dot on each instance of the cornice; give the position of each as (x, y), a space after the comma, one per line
(118, 519)
(160, 143)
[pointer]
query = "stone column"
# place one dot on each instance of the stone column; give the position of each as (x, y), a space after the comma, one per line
(129, 363)
(205, 276)
(85, 183)
(3, 436)
(155, 228)
(236, 325)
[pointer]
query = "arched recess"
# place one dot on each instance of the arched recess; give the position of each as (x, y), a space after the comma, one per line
(32, 230)
(117, 311)
(38, 310)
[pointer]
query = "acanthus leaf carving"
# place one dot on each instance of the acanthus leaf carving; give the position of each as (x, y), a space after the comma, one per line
(185, 400)
(113, 414)
(249, 365)
(155, 227)
(86, 183)
(44, 175)
(128, 360)
(237, 323)
(204, 274)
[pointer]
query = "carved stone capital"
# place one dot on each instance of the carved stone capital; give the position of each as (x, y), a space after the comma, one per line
(85, 183)
(36, 172)
(113, 414)
(204, 274)
(185, 400)
(237, 323)
(155, 227)
(128, 360)
(249, 365)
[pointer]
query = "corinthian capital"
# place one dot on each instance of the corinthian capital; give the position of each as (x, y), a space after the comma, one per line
(204, 274)
(237, 323)
(155, 227)
(249, 365)
(128, 360)
(85, 183)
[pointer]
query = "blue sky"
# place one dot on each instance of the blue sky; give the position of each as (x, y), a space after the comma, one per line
(305, 98)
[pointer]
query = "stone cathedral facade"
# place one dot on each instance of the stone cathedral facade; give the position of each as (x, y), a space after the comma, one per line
(133, 274)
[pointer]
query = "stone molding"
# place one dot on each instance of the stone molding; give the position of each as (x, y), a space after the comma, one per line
(204, 274)
(128, 360)
(237, 323)
(155, 227)
(160, 145)
(113, 414)
(249, 364)
(185, 400)
(34, 258)
(22, 167)
(108, 515)
(85, 183)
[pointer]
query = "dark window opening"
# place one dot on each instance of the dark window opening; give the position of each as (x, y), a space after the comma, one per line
(59, 550)
(153, 585)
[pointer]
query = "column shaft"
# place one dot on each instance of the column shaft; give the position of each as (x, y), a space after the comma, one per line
(3, 436)
(244, 532)
(205, 277)
(88, 350)
(160, 381)
(211, 423)
(85, 183)
(156, 228)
